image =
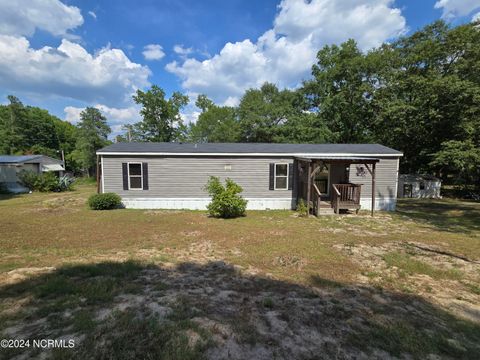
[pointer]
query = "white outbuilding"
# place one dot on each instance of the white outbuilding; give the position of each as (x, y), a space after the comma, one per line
(419, 186)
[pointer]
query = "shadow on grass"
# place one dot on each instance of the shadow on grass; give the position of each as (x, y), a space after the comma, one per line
(7, 196)
(131, 310)
(446, 215)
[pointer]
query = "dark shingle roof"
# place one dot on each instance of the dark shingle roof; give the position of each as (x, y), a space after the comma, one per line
(249, 148)
(14, 159)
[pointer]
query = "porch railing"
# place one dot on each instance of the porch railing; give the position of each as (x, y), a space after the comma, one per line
(346, 196)
(316, 199)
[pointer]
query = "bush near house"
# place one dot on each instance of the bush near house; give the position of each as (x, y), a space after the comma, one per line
(302, 208)
(45, 182)
(226, 201)
(106, 201)
(4, 189)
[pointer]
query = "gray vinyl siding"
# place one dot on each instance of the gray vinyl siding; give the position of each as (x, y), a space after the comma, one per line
(8, 173)
(185, 177)
(386, 179)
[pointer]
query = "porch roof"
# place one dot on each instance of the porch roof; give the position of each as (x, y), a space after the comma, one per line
(341, 159)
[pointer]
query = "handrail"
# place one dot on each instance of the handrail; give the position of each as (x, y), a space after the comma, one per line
(316, 200)
(336, 190)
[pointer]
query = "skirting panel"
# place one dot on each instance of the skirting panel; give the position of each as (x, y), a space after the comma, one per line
(201, 203)
(387, 204)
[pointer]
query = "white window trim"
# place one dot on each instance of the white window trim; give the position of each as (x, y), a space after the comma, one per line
(275, 176)
(140, 176)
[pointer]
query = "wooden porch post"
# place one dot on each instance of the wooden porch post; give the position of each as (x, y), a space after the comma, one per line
(373, 187)
(309, 187)
(98, 174)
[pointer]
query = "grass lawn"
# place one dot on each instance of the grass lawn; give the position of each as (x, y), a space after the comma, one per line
(179, 285)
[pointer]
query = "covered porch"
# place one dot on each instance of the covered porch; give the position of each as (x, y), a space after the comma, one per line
(324, 183)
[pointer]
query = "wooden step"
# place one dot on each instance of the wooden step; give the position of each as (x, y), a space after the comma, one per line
(325, 205)
(325, 211)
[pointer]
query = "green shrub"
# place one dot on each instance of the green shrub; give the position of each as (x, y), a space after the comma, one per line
(4, 189)
(45, 182)
(28, 179)
(106, 201)
(226, 201)
(302, 208)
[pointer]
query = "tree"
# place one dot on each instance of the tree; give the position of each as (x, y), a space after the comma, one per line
(92, 135)
(215, 123)
(12, 124)
(261, 112)
(461, 158)
(131, 133)
(161, 117)
(419, 94)
(430, 93)
(272, 115)
(342, 91)
(32, 130)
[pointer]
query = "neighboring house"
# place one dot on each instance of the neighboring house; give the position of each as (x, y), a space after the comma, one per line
(273, 176)
(12, 165)
(418, 186)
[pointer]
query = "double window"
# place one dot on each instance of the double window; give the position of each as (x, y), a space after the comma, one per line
(135, 176)
(281, 176)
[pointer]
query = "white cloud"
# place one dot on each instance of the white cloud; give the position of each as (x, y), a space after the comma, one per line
(182, 51)
(231, 101)
(23, 17)
(284, 54)
(116, 117)
(153, 52)
(92, 14)
(72, 114)
(476, 17)
(69, 71)
(456, 8)
(190, 115)
(122, 116)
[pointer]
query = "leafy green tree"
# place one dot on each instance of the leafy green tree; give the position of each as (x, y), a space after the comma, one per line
(131, 133)
(215, 123)
(342, 91)
(272, 115)
(92, 135)
(39, 129)
(261, 113)
(13, 121)
(461, 158)
(204, 103)
(31, 130)
(430, 92)
(419, 94)
(161, 117)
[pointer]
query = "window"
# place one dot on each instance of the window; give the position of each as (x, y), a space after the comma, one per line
(135, 176)
(281, 176)
(422, 185)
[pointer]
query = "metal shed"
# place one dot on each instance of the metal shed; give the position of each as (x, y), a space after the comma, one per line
(418, 186)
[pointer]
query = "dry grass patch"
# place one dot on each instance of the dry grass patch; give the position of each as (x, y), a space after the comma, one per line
(268, 285)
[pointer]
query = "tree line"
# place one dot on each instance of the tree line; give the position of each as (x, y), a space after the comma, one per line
(419, 94)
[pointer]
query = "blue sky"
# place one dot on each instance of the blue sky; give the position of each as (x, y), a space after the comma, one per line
(66, 55)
